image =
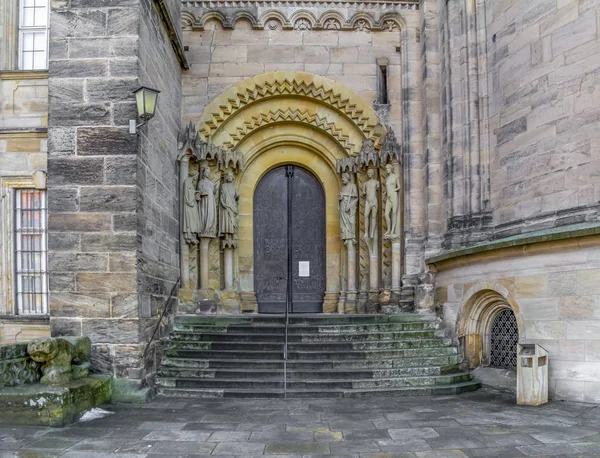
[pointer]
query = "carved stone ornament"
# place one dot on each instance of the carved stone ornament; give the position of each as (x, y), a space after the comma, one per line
(228, 209)
(332, 24)
(16, 367)
(392, 186)
(368, 156)
(302, 24)
(207, 206)
(369, 191)
(391, 149)
(348, 202)
(64, 358)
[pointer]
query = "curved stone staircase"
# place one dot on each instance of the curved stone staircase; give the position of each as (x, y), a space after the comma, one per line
(328, 356)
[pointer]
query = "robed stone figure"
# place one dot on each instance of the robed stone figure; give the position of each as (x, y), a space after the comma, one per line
(228, 208)
(207, 206)
(348, 202)
(392, 186)
(191, 218)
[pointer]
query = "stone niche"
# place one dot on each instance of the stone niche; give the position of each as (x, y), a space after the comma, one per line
(308, 121)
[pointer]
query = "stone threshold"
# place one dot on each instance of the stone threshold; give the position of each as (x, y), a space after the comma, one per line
(542, 236)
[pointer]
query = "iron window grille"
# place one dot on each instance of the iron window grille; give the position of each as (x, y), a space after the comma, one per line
(31, 289)
(33, 35)
(504, 337)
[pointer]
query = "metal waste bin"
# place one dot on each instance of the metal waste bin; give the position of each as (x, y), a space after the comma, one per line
(532, 375)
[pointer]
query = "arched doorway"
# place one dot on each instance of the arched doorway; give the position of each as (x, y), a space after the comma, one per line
(289, 241)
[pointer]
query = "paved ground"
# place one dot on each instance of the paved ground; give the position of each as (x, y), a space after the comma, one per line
(473, 425)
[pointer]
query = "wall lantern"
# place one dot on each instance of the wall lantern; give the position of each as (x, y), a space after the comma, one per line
(145, 99)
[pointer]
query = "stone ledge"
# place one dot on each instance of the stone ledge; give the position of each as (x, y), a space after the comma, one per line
(23, 74)
(53, 405)
(544, 236)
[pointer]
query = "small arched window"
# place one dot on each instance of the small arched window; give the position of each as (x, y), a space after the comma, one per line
(504, 337)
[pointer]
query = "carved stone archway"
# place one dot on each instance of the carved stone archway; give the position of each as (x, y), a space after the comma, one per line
(292, 118)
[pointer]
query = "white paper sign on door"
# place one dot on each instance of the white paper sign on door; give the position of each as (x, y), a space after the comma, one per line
(303, 268)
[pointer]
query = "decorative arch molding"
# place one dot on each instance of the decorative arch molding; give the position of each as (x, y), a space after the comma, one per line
(290, 115)
(484, 301)
(293, 86)
(300, 19)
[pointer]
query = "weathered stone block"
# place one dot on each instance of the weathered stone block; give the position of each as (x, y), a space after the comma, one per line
(105, 282)
(75, 170)
(78, 23)
(120, 170)
(62, 282)
(79, 114)
(562, 283)
(111, 331)
(124, 21)
(67, 304)
(122, 262)
(108, 199)
(66, 326)
(65, 90)
(576, 308)
(89, 68)
(111, 89)
(63, 199)
(125, 222)
(53, 405)
(125, 306)
(70, 262)
(532, 286)
(80, 222)
(109, 242)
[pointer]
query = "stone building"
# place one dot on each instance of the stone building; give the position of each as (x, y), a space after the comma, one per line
(428, 156)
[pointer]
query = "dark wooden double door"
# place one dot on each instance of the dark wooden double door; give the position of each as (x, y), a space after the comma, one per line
(289, 241)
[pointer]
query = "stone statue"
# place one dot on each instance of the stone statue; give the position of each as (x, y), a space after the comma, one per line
(392, 187)
(348, 201)
(369, 190)
(207, 207)
(64, 358)
(191, 218)
(228, 208)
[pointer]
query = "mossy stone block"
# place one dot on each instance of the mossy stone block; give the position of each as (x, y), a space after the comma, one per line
(53, 405)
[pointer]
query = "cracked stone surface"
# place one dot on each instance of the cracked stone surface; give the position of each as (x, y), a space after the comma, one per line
(478, 424)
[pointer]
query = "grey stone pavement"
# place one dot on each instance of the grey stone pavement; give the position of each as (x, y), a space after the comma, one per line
(471, 425)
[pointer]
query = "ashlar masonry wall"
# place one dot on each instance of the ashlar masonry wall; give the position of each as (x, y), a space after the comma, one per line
(112, 195)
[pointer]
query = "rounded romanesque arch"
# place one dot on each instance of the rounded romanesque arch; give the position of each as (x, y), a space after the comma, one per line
(313, 100)
(484, 302)
(281, 118)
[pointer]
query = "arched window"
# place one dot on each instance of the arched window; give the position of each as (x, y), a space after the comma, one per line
(504, 336)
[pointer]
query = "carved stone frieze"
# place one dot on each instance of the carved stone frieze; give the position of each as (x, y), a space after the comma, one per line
(287, 15)
(16, 366)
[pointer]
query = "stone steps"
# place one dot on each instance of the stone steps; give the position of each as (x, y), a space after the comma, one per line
(328, 356)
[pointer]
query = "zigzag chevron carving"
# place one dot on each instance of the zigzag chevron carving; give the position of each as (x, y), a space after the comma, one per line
(248, 94)
(294, 116)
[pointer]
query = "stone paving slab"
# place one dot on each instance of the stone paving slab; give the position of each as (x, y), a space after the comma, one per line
(480, 424)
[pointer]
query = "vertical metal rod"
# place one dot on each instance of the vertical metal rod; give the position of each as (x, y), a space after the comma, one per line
(289, 173)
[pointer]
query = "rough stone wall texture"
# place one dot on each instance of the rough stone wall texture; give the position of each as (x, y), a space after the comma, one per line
(157, 175)
(98, 192)
(557, 294)
(544, 113)
(520, 128)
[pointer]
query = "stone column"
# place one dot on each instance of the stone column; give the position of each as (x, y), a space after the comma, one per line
(228, 267)
(204, 244)
(351, 277)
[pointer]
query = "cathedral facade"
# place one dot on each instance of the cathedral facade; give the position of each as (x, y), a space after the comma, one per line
(337, 157)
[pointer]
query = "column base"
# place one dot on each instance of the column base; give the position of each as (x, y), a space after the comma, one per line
(248, 302)
(330, 302)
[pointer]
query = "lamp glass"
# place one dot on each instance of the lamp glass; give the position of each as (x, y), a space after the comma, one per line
(145, 99)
